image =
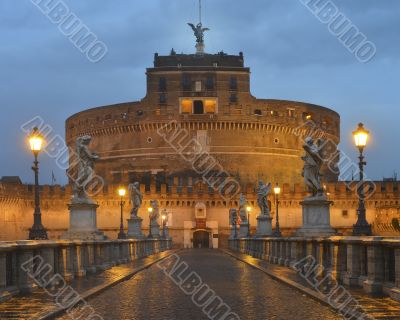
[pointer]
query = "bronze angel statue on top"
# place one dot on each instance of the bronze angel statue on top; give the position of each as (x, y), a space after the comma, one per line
(199, 32)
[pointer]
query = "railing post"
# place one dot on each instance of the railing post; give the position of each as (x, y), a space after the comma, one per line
(265, 249)
(334, 266)
(113, 253)
(91, 257)
(376, 274)
(127, 255)
(288, 252)
(78, 259)
(309, 248)
(24, 266)
(274, 250)
(319, 251)
(65, 261)
(47, 254)
(3, 272)
(395, 292)
(353, 273)
(282, 252)
(101, 256)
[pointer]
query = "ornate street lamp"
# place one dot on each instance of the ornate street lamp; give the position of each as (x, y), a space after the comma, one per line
(37, 232)
(248, 209)
(150, 210)
(362, 227)
(277, 191)
(122, 193)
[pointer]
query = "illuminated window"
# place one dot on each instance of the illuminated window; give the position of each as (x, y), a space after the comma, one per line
(290, 113)
(199, 106)
(186, 106)
(210, 106)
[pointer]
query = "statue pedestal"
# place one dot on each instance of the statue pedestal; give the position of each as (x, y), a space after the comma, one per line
(83, 223)
(200, 48)
(264, 226)
(232, 235)
(316, 218)
(244, 230)
(135, 228)
(165, 233)
(155, 229)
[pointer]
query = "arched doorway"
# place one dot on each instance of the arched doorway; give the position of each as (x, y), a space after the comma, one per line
(201, 239)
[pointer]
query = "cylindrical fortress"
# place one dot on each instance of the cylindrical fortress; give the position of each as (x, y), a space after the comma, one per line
(208, 97)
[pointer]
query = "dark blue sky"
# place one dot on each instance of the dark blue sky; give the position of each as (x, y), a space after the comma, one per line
(292, 56)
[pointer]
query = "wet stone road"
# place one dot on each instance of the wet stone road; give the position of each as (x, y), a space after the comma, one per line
(151, 295)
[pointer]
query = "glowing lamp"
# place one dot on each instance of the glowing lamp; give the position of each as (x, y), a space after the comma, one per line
(122, 192)
(277, 189)
(361, 137)
(36, 140)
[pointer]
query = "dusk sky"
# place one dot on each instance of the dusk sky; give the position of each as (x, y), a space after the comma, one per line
(292, 55)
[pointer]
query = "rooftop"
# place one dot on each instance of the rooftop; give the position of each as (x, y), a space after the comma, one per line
(220, 59)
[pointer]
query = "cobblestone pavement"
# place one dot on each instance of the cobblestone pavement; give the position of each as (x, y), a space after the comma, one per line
(377, 307)
(151, 295)
(38, 303)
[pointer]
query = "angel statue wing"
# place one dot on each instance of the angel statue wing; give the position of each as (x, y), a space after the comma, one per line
(192, 26)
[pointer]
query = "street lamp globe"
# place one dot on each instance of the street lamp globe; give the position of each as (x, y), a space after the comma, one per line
(150, 209)
(36, 140)
(277, 189)
(361, 137)
(248, 209)
(122, 192)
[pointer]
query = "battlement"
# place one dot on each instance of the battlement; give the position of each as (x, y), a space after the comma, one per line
(384, 190)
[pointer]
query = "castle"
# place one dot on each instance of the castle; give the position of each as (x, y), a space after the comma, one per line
(241, 139)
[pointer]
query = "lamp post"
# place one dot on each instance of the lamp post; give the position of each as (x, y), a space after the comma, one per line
(150, 210)
(277, 191)
(362, 227)
(37, 232)
(163, 217)
(122, 193)
(235, 221)
(248, 209)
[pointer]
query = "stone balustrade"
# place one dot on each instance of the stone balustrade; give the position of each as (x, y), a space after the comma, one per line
(69, 259)
(372, 263)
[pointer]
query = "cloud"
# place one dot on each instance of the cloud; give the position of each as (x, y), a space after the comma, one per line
(292, 56)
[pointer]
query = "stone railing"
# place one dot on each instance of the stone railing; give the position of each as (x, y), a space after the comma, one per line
(68, 259)
(372, 263)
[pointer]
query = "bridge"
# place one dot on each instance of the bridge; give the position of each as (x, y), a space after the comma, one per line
(266, 278)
